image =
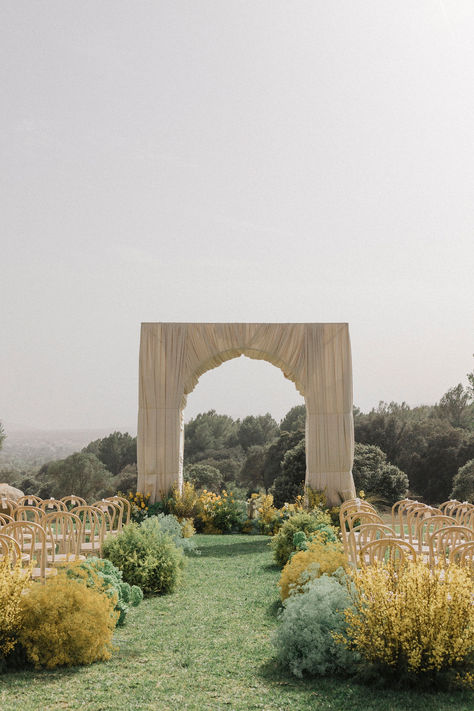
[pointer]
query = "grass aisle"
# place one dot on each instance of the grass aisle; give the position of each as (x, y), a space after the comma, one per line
(207, 647)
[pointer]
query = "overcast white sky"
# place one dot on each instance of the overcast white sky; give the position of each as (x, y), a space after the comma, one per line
(224, 160)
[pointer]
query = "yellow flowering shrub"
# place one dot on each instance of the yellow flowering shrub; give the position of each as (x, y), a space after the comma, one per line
(187, 528)
(320, 557)
(182, 504)
(218, 513)
(13, 583)
(140, 504)
(413, 619)
(64, 622)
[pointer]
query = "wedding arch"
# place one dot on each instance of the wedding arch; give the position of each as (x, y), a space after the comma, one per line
(316, 357)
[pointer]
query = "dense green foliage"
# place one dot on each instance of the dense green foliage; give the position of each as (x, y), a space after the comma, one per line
(82, 474)
(147, 557)
(290, 483)
(283, 543)
(204, 476)
(115, 451)
(375, 476)
(104, 576)
(463, 483)
(304, 640)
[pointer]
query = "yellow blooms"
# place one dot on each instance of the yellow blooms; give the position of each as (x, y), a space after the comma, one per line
(13, 583)
(319, 558)
(413, 618)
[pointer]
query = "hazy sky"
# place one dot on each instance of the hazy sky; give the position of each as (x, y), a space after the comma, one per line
(232, 160)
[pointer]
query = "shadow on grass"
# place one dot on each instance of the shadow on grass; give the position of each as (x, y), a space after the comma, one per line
(274, 608)
(230, 550)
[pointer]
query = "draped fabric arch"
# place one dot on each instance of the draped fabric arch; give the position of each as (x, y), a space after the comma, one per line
(316, 357)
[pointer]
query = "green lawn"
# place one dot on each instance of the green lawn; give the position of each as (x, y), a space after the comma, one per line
(206, 647)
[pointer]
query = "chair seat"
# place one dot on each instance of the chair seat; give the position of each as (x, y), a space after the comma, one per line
(61, 558)
(48, 572)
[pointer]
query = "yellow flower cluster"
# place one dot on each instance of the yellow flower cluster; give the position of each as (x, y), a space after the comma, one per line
(13, 584)
(139, 500)
(413, 618)
(320, 558)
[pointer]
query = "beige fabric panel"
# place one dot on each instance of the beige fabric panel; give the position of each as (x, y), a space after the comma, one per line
(316, 357)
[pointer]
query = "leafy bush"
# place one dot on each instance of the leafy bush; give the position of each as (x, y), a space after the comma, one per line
(141, 508)
(219, 514)
(64, 622)
(377, 477)
(204, 476)
(147, 557)
(308, 521)
(169, 524)
(412, 620)
(304, 640)
(290, 483)
(181, 504)
(463, 483)
(316, 559)
(13, 583)
(103, 576)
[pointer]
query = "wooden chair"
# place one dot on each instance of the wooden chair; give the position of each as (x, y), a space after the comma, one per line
(28, 513)
(9, 548)
(126, 508)
(425, 528)
(5, 518)
(414, 519)
(383, 550)
(113, 515)
(345, 513)
(7, 506)
(73, 501)
(446, 506)
(50, 505)
(31, 538)
(29, 500)
(446, 539)
(65, 530)
(364, 533)
(463, 555)
(400, 511)
(93, 529)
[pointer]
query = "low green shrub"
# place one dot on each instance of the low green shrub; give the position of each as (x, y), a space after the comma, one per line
(104, 576)
(169, 524)
(147, 557)
(65, 623)
(315, 521)
(304, 640)
(312, 561)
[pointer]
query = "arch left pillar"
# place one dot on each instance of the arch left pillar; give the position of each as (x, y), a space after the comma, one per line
(160, 418)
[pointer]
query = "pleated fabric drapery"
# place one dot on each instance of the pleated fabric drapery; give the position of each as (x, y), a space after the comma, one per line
(316, 357)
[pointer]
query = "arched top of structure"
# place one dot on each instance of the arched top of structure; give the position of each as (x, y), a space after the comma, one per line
(302, 351)
(316, 357)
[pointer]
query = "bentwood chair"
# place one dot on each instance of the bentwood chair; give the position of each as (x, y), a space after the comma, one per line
(385, 550)
(31, 538)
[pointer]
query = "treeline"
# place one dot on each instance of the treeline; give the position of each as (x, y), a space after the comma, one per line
(427, 451)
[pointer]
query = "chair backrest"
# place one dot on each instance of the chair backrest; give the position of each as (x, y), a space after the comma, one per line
(93, 527)
(72, 500)
(468, 519)
(7, 505)
(461, 510)
(126, 507)
(64, 529)
(400, 511)
(346, 512)
(113, 514)
(364, 533)
(414, 518)
(5, 518)
(9, 548)
(463, 554)
(384, 550)
(31, 538)
(29, 500)
(28, 513)
(446, 506)
(49, 505)
(429, 524)
(444, 540)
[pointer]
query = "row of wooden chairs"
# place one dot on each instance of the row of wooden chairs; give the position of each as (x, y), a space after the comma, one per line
(45, 540)
(416, 528)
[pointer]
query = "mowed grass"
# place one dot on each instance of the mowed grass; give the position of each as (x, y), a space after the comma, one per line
(207, 647)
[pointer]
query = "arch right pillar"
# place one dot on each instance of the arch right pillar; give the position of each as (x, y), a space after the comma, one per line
(329, 418)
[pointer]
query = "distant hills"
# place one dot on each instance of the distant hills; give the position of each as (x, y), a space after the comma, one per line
(26, 448)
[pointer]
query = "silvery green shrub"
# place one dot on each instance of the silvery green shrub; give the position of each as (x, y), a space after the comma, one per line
(304, 640)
